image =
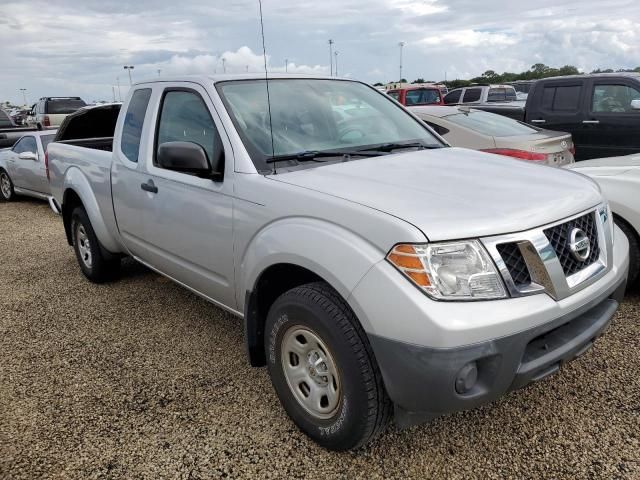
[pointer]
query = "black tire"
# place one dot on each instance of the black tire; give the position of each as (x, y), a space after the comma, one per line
(89, 252)
(364, 409)
(634, 251)
(6, 194)
(39, 127)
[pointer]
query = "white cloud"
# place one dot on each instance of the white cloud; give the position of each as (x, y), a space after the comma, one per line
(68, 47)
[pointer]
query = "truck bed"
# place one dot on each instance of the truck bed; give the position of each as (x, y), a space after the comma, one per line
(98, 143)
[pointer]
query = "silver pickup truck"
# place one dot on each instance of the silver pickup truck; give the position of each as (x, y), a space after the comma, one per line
(378, 271)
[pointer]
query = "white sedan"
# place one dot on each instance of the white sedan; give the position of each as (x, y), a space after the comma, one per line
(619, 178)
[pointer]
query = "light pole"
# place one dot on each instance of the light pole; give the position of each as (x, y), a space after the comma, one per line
(331, 56)
(159, 72)
(336, 55)
(128, 68)
(113, 89)
(24, 95)
(224, 68)
(119, 92)
(247, 68)
(401, 44)
(286, 65)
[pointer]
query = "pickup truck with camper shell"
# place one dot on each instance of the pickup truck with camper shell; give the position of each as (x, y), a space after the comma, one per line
(378, 272)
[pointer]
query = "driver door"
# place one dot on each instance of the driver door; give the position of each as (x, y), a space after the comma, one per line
(20, 170)
(611, 127)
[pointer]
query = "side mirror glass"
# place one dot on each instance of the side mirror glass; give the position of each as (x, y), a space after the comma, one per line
(27, 156)
(635, 104)
(185, 157)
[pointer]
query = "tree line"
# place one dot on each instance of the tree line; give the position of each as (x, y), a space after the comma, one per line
(537, 71)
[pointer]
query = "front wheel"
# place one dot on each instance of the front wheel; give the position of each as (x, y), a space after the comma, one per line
(323, 369)
(6, 187)
(634, 252)
(93, 262)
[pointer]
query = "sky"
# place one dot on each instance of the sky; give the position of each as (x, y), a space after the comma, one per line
(79, 48)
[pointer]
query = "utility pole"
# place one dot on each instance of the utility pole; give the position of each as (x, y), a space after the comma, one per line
(24, 95)
(159, 72)
(128, 68)
(331, 56)
(224, 68)
(401, 44)
(113, 90)
(119, 92)
(247, 68)
(336, 55)
(286, 65)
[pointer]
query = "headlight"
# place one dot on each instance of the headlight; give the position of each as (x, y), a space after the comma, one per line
(449, 271)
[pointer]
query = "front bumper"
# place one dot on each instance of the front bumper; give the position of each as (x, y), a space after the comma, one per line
(422, 381)
(422, 346)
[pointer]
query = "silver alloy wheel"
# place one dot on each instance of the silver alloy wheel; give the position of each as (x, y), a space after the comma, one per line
(84, 247)
(5, 185)
(311, 372)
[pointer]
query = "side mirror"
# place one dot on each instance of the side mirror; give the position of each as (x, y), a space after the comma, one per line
(188, 157)
(635, 104)
(28, 156)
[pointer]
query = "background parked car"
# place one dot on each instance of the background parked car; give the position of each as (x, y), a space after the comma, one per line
(9, 131)
(49, 112)
(23, 168)
(619, 179)
(489, 132)
(601, 111)
(476, 94)
(418, 95)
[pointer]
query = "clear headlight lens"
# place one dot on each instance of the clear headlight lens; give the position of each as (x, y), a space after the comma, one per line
(449, 270)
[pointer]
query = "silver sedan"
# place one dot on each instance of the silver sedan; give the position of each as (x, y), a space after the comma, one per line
(478, 130)
(23, 169)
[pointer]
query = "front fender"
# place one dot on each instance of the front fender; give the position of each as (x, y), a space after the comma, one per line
(336, 254)
(77, 182)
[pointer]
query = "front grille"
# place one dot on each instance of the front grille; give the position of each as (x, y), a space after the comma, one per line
(559, 238)
(513, 259)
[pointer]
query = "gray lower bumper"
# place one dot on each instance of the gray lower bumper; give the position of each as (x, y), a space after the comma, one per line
(422, 381)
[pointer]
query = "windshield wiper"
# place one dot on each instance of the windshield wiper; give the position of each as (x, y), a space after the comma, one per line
(388, 147)
(314, 155)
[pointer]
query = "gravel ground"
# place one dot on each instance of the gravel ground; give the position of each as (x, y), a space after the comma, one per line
(142, 379)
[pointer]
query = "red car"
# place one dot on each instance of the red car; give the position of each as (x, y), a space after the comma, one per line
(418, 95)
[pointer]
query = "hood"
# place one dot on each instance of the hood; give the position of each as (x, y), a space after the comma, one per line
(453, 193)
(606, 167)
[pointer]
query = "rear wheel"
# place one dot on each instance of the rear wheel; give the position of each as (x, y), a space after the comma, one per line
(323, 369)
(6, 187)
(93, 262)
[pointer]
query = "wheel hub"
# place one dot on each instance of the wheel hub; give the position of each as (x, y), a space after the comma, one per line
(311, 372)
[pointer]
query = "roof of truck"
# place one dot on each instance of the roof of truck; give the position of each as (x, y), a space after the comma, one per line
(594, 75)
(236, 76)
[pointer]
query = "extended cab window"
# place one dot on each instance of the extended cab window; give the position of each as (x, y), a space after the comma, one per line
(562, 98)
(26, 144)
(471, 95)
(614, 98)
(133, 122)
(394, 94)
(184, 117)
(452, 97)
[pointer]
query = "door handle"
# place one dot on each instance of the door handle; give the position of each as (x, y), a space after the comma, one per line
(591, 122)
(149, 187)
(538, 121)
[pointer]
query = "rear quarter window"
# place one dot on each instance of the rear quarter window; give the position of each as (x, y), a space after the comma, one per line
(133, 123)
(561, 98)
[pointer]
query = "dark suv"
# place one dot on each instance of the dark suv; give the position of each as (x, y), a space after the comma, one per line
(601, 111)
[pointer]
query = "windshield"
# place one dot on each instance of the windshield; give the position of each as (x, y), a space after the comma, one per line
(316, 115)
(490, 124)
(505, 94)
(64, 106)
(46, 140)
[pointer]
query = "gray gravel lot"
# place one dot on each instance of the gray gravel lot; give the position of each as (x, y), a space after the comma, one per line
(142, 379)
